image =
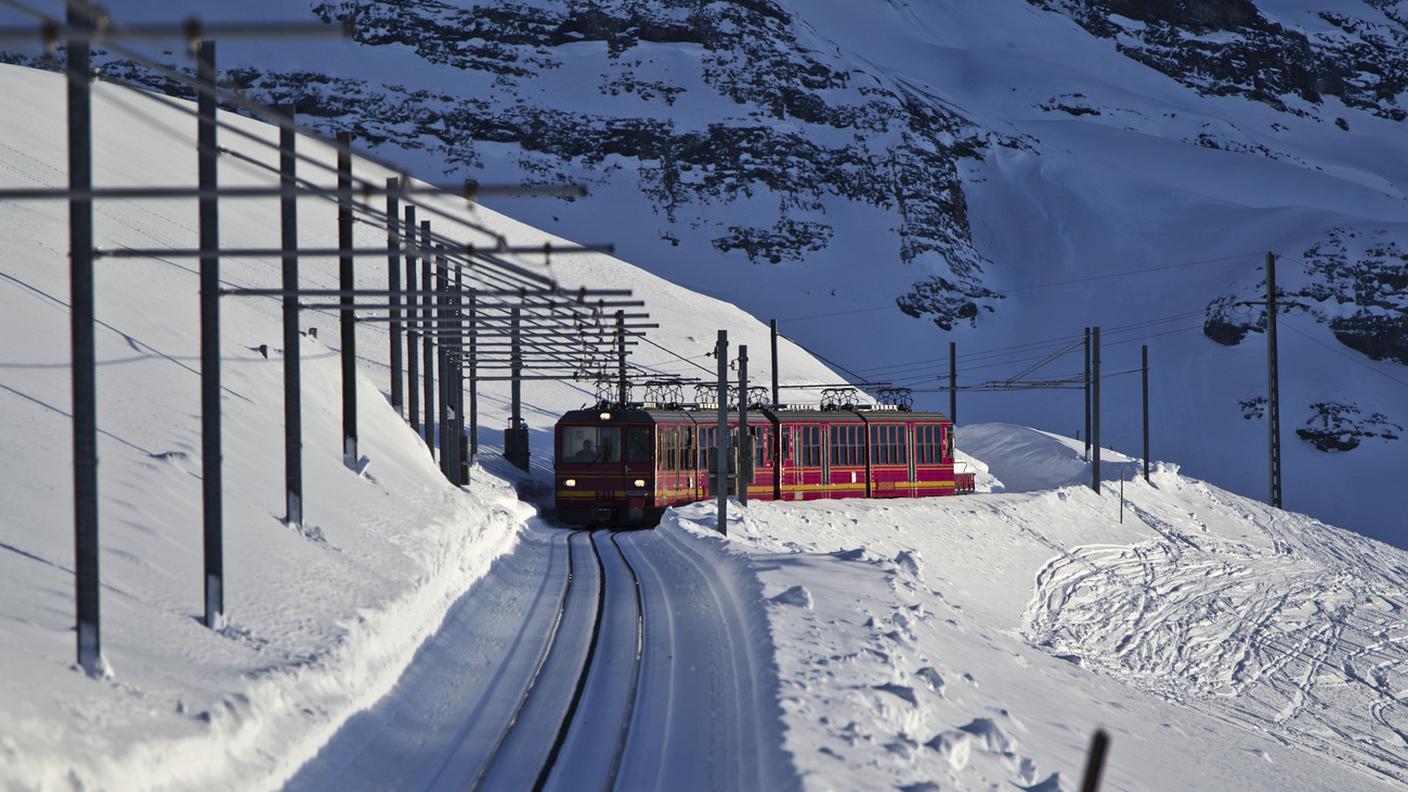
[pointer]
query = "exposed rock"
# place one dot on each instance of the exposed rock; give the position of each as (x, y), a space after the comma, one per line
(1354, 282)
(1228, 47)
(1335, 426)
(811, 124)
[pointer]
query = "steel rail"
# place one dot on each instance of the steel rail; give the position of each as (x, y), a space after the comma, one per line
(635, 670)
(532, 685)
(582, 675)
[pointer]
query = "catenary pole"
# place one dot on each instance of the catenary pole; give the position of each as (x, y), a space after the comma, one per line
(293, 413)
(412, 336)
(622, 387)
(1144, 374)
(953, 382)
(473, 378)
(1273, 385)
(1095, 409)
(772, 325)
(442, 391)
(346, 282)
(393, 284)
(85, 417)
(519, 456)
(721, 433)
(427, 343)
(1087, 394)
(209, 232)
(745, 442)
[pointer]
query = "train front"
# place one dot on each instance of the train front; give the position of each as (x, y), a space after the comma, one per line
(604, 468)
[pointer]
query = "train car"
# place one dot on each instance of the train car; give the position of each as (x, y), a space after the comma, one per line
(625, 465)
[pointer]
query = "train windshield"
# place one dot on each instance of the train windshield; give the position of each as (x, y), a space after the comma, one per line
(591, 444)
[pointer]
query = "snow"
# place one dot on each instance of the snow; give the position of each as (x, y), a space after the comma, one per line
(1202, 632)
(321, 622)
(949, 643)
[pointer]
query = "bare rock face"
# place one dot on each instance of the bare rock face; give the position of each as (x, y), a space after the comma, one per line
(811, 124)
(1336, 426)
(1354, 282)
(1360, 62)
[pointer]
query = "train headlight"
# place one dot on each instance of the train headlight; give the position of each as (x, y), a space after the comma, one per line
(606, 416)
(570, 483)
(639, 482)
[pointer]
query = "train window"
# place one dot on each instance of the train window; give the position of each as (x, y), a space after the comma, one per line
(639, 439)
(948, 443)
(815, 446)
(838, 445)
(591, 444)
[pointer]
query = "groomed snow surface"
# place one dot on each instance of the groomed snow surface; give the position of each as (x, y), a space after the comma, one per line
(959, 643)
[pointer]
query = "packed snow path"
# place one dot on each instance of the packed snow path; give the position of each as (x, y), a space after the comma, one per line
(582, 660)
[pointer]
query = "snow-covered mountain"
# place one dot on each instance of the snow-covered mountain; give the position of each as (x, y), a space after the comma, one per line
(885, 177)
(963, 643)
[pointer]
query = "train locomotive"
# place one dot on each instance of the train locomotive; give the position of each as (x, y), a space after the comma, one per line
(623, 465)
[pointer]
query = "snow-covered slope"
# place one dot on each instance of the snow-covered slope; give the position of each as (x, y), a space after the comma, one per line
(858, 169)
(977, 642)
(321, 621)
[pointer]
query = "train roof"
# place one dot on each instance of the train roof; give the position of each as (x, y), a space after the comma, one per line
(705, 414)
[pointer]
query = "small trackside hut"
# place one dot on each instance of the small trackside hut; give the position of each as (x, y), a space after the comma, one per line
(624, 465)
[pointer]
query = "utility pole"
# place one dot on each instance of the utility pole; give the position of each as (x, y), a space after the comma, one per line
(1094, 433)
(745, 442)
(346, 282)
(622, 388)
(293, 412)
(1144, 369)
(412, 336)
(473, 376)
(1273, 384)
(1087, 394)
(442, 360)
(210, 340)
(393, 284)
(427, 340)
(772, 324)
(953, 382)
(721, 435)
(516, 443)
(81, 322)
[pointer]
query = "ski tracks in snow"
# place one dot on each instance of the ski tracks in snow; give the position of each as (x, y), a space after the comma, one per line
(1284, 632)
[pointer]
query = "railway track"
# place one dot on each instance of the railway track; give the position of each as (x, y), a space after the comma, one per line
(576, 709)
(581, 660)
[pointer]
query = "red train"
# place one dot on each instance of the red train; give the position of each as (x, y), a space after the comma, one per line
(624, 465)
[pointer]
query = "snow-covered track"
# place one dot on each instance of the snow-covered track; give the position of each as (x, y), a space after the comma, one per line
(588, 737)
